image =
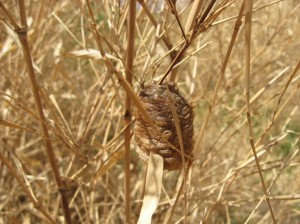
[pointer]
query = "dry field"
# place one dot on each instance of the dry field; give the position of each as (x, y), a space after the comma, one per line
(67, 146)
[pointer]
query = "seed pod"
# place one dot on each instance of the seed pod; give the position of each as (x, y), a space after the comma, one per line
(163, 139)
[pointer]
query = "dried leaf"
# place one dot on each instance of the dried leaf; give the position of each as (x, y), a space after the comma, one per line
(89, 54)
(152, 188)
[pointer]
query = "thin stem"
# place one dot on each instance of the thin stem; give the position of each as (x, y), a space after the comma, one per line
(34, 85)
(187, 43)
(205, 14)
(164, 37)
(22, 10)
(9, 16)
(22, 34)
(180, 139)
(248, 19)
(155, 23)
(237, 26)
(174, 62)
(128, 109)
(174, 12)
(172, 209)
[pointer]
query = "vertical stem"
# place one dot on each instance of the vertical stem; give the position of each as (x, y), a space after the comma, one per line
(248, 19)
(174, 62)
(22, 34)
(128, 110)
(34, 85)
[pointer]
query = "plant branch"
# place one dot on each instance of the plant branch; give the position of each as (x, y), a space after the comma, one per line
(248, 20)
(128, 107)
(187, 41)
(237, 26)
(22, 35)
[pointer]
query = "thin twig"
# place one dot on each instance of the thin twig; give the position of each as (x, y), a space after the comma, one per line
(187, 41)
(155, 23)
(193, 15)
(248, 20)
(22, 35)
(128, 109)
(174, 12)
(237, 26)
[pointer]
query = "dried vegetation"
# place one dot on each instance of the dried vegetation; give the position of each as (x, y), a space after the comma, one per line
(62, 110)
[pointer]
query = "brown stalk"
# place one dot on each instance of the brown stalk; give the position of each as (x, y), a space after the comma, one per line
(128, 107)
(190, 22)
(22, 35)
(174, 12)
(174, 62)
(180, 139)
(248, 20)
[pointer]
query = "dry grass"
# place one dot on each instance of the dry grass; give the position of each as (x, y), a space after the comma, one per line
(83, 93)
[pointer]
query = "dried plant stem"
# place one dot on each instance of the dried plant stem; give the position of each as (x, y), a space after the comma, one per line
(128, 109)
(174, 62)
(193, 14)
(25, 188)
(248, 19)
(180, 139)
(22, 35)
(222, 73)
(195, 9)
(111, 68)
(174, 12)
(155, 23)
(164, 37)
(207, 11)
(172, 208)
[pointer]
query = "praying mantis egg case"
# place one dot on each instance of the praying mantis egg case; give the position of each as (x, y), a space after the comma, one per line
(163, 139)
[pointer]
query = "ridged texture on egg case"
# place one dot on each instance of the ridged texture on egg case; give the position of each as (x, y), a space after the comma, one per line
(163, 139)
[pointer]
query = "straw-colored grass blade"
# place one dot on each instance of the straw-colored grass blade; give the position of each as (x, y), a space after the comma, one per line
(14, 125)
(89, 54)
(152, 188)
(248, 29)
